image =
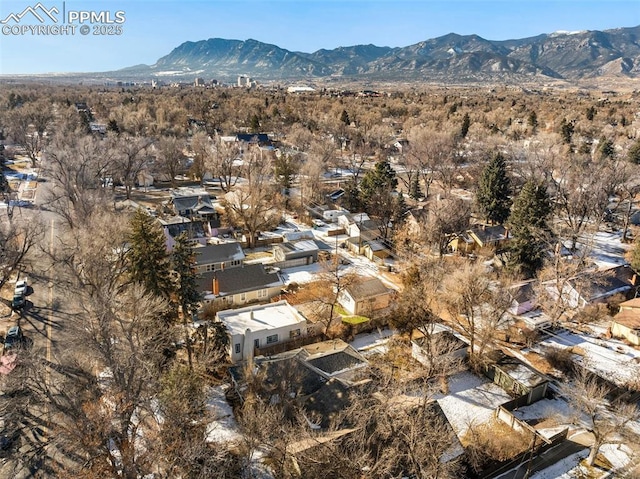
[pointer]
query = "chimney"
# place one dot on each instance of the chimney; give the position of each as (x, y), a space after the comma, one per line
(506, 233)
(634, 280)
(216, 287)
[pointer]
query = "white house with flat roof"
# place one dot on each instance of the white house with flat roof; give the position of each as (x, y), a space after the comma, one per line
(259, 326)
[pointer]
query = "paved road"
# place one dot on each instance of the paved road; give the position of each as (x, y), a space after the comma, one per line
(43, 323)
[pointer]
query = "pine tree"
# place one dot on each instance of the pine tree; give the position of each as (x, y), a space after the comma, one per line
(529, 227)
(414, 188)
(466, 123)
(148, 258)
(606, 148)
(493, 191)
(633, 155)
(344, 118)
(381, 201)
(382, 179)
(185, 286)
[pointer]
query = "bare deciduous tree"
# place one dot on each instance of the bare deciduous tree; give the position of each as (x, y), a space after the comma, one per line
(78, 166)
(476, 304)
(170, 159)
(253, 204)
(606, 421)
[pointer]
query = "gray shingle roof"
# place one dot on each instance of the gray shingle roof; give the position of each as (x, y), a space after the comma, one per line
(219, 253)
(249, 277)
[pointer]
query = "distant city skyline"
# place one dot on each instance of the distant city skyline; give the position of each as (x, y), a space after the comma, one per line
(150, 29)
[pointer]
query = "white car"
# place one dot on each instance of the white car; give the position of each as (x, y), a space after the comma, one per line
(21, 287)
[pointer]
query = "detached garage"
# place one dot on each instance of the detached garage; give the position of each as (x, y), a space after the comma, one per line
(295, 253)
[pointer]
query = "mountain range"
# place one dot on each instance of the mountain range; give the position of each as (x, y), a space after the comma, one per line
(559, 55)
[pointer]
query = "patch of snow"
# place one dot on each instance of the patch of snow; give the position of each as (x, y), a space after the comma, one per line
(471, 401)
(562, 469)
(223, 427)
(617, 454)
(609, 359)
(369, 343)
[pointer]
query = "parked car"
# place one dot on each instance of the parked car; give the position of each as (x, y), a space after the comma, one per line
(18, 302)
(14, 339)
(21, 287)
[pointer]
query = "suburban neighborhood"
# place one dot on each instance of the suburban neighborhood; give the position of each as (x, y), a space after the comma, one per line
(277, 300)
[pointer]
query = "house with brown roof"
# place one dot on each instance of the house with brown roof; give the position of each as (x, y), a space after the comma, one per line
(480, 236)
(626, 324)
(365, 297)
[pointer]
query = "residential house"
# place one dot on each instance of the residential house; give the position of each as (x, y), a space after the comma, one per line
(216, 257)
(260, 139)
(248, 283)
(416, 219)
(522, 298)
(626, 324)
(260, 325)
(318, 375)
(194, 204)
(480, 236)
(365, 297)
(489, 236)
(364, 236)
(597, 286)
(198, 232)
(462, 243)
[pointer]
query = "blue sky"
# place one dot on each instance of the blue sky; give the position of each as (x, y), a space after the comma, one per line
(152, 28)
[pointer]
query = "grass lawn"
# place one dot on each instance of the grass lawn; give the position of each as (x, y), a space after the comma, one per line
(349, 318)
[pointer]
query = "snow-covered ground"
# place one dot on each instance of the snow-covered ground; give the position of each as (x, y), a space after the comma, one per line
(570, 468)
(223, 427)
(370, 343)
(605, 248)
(471, 401)
(567, 468)
(556, 411)
(609, 359)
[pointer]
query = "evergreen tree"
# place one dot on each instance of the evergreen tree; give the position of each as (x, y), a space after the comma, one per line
(148, 258)
(529, 228)
(494, 189)
(414, 188)
(254, 124)
(566, 130)
(379, 195)
(533, 121)
(344, 118)
(185, 286)
(466, 123)
(633, 155)
(606, 148)
(382, 179)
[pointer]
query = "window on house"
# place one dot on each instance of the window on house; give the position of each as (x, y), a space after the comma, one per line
(262, 293)
(243, 296)
(272, 339)
(294, 333)
(237, 348)
(256, 343)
